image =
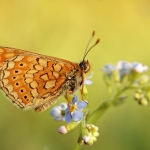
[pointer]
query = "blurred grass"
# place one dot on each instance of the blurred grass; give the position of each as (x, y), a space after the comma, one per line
(62, 29)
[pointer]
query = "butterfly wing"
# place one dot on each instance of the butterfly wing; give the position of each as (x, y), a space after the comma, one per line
(32, 80)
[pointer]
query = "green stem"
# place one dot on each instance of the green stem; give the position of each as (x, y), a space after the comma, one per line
(93, 117)
(77, 147)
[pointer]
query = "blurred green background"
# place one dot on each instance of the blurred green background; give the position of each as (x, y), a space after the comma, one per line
(62, 29)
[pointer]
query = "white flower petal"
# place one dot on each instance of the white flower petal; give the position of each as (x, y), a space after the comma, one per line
(87, 82)
(63, 106)
(56, 111)
(90, 76)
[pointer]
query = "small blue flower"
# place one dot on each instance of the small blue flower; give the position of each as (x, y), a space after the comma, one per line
(108, 69)
(58, 112)
(74, 111)
(124, 68)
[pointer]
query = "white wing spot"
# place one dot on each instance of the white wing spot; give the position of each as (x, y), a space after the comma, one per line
(34, 92)
(6, 73)
(29, 75)
(32, 71)
(19, 58)
(33, 84)
(56, 74)
(44, 77)
(50, 84)
(28, 80)
(11, 65)
(38, 67)
(14, 94)
(5, 82)
(9, 88)
(43, 62)
(57, 67)
(5, 66)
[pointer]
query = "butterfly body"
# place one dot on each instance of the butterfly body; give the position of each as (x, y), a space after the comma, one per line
(33, 80)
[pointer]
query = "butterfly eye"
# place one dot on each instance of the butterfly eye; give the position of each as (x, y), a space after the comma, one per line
(85, 65)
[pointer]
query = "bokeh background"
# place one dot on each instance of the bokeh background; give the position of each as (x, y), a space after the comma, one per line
(62, 29)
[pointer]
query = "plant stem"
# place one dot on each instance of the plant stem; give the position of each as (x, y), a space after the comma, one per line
(93, 117)
(77, 147)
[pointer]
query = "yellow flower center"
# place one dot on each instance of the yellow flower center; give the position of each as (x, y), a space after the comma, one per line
(73, 108)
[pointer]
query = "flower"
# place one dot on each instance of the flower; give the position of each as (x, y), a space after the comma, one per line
(67, 114)
(124, 68)
(108, 69)
(58, 112)
(93, 134)
(74, 111)
(88, 135)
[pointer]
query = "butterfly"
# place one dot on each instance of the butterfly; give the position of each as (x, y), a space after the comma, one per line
(32, 80)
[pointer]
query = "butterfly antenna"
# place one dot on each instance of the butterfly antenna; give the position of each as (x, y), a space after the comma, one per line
(87, 50)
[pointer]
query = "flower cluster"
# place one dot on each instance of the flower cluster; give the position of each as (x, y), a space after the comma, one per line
(124, 68)
(88, 135)
(142, 97)
(73, 115)
(118, 79)
(125, 75)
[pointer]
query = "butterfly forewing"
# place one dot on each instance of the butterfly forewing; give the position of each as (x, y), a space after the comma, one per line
(32, 80)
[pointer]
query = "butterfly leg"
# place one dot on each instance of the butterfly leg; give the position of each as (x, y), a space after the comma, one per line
(68, 100)
(82, 89)
(67, 97)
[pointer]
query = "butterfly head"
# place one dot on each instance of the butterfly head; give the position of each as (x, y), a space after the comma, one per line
(85, 66)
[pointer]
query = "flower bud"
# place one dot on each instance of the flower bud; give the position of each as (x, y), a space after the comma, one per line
(62, 130)
(83, 135)
(143, 102)
(138, 95)
(68, 127)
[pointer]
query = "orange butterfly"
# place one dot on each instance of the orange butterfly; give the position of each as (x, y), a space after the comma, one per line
(33, 80)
